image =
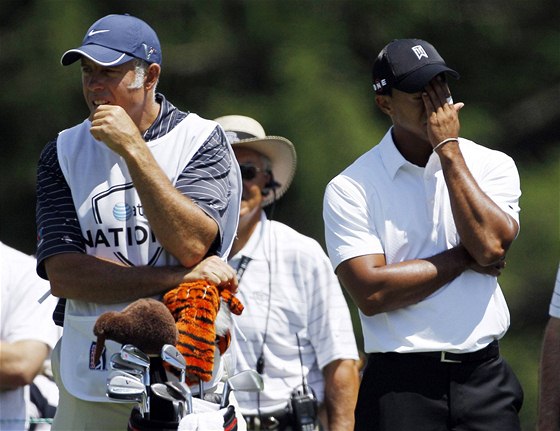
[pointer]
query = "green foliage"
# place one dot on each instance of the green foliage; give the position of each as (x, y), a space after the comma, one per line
(302, 68)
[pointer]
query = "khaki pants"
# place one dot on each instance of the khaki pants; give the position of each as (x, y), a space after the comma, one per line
(74, 414)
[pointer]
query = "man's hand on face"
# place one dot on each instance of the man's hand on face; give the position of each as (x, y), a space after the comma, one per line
(111, 125)
(442, 117)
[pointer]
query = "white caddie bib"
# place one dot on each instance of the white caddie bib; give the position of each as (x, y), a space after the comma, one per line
(114, 227)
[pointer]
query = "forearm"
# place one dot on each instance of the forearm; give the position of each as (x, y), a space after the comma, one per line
(485, 230)
(182, 227)
(341, 393)
(87, 278)
(549, 385)
(20, 362)
(379, 288)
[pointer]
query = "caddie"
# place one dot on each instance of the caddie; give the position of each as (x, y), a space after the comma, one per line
(131, 202)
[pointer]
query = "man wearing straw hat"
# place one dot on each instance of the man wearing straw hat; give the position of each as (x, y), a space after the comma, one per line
(296, 328)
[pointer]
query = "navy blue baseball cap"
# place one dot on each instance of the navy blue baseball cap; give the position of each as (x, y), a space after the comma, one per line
(407, 65)
(116, 39)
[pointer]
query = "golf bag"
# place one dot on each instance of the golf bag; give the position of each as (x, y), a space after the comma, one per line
(138, 423)
(162, 415)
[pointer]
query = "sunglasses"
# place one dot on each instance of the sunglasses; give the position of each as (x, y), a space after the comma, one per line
(248, 171)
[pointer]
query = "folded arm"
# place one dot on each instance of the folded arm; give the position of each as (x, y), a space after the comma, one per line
(88, 278)
(376, 287)
(182, 227)
(485, 229)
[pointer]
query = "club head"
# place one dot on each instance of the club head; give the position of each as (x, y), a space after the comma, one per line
(125, 383)
(246, 381)
(134, 355)
(118, 363)
(124, 374)
(182, 391)
(163, 391)
(125, 389)
(173, 357)
(176, 390)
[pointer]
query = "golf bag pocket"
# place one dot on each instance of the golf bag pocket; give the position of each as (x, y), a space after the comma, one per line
(82, 377)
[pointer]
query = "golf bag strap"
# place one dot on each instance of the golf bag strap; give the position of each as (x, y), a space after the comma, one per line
(230, 420)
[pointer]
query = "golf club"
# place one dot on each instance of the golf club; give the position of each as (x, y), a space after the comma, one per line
(181, 390)
(162, 391)
(117, 363)
(173, 357)
(246, 381)
(133, 355)
(125, 389)
(201, 389)
(124, 374)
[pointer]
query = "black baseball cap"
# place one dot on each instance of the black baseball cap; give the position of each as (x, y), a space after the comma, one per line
(407, 65)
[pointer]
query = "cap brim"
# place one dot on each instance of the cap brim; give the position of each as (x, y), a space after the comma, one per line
(418, 79)
(282, 155)
(97, 53)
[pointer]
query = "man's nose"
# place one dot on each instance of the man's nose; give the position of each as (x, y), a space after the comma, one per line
(93, 81)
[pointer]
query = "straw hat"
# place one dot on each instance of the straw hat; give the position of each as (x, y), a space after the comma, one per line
(246, 132)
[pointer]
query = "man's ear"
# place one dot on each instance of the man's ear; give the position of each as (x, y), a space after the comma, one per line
(384, 103)
(152, 76)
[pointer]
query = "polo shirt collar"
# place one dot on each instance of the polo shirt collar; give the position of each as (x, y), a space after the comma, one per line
(391, 157)
(393, 160)
(251, 248)
(158, 127)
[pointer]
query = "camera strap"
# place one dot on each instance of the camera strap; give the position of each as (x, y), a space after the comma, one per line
(245, 260)
(303, 382)
(303, 404)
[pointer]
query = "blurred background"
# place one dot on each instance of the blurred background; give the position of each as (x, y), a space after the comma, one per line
(302, 68)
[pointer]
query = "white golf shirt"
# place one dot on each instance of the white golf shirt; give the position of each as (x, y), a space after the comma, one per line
(22, 318)
(383, 204)
(292, 272)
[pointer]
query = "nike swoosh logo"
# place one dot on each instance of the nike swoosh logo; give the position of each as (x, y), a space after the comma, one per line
(93, 32)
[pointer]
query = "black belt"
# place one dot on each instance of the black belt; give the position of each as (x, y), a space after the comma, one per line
(492, 350)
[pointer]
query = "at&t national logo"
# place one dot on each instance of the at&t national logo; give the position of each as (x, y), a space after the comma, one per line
(122, 211)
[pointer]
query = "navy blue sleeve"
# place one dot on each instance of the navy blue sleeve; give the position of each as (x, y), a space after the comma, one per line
(205, 178)
(58, 228)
